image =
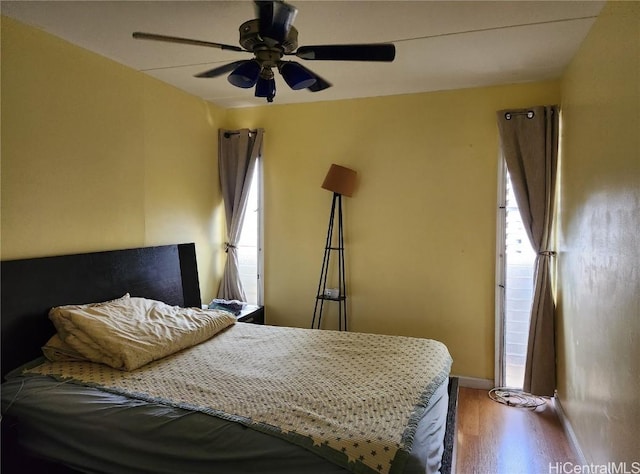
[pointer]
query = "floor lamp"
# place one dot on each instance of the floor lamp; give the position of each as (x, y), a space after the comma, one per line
(341, 181)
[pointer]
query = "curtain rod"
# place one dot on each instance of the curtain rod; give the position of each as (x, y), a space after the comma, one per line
(529, 113)
(229, 134)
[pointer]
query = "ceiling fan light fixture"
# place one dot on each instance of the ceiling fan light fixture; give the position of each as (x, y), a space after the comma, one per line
(266, 87)
(245, 75)
(296, 76)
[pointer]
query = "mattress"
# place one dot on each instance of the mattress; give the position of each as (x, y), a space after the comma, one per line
(110, 429)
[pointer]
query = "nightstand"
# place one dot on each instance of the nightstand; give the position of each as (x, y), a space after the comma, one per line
(251, 314)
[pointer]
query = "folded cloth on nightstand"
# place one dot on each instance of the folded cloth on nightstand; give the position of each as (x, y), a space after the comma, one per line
(233, 306)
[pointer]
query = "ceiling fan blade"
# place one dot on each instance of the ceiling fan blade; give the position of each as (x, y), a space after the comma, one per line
(385, 52)
(276, 18)
(176, 39)
(320, 84)
(219, 71)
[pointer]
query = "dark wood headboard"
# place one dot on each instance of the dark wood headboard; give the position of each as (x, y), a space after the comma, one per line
(30, 287)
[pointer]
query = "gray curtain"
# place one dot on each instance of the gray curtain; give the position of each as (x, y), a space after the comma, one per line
(237, 154)
(529, 139)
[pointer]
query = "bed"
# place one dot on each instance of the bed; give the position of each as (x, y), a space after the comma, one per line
(272, 415)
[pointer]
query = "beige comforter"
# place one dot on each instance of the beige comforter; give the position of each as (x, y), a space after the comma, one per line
(128, 333)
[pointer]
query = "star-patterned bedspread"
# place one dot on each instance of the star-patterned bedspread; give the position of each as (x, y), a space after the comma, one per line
(353, 398)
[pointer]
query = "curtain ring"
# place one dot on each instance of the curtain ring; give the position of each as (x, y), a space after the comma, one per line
(547, 253)
(228, 246)
(530, 114)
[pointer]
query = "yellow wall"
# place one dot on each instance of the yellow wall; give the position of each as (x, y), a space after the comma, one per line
(420, 229)
(599, 234)
(97, 156)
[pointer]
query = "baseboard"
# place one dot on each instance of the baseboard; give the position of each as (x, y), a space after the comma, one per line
(474, 382)
(568, 430)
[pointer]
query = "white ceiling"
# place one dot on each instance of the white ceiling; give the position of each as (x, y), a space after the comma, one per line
(439, 45)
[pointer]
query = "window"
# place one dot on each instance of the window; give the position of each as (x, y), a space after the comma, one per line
(250, 244)
(515, 266)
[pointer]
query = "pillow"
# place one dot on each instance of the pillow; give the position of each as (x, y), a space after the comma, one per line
(56, 350)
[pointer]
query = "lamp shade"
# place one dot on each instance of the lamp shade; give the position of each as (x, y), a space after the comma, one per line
(266, 87)
(296, 76)
(245, 75)
(340, 180)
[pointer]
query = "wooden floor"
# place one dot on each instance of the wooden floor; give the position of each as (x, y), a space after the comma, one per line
(493, 438)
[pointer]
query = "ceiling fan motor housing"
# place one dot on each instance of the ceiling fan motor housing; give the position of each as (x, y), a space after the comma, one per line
(250, 38)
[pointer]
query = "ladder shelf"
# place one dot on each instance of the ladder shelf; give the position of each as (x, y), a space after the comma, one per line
(322, 295)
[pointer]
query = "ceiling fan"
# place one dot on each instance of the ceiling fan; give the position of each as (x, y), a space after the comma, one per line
(271, 37)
